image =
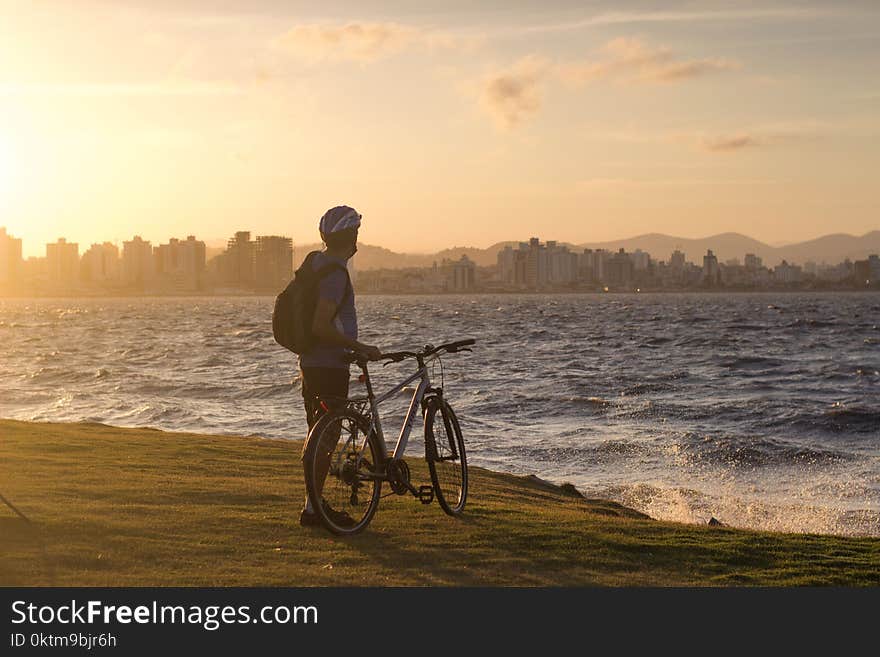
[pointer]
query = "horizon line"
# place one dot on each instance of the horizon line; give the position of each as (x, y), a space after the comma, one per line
(115, 241)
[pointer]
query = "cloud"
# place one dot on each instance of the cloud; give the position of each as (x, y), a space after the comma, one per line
(361, 42)
(723, 144)
(762, 136)
(779, 134)
(628, 185)
(632, 60)
(513, 95)
(752, 14)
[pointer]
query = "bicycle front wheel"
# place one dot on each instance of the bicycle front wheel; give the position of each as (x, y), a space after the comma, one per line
(341, 464)
(444, 452)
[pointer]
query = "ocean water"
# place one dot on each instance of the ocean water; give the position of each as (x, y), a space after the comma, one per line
(762, 410)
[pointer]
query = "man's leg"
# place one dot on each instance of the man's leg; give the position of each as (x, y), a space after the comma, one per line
(331, 385)
(307, 377)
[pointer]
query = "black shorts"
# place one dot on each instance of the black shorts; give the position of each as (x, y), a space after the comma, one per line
(327, 383)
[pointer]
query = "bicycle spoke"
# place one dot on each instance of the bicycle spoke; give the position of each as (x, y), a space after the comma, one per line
(446, 457)
(341, 472)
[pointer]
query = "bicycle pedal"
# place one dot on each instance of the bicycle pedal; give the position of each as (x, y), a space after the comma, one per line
(426, 494)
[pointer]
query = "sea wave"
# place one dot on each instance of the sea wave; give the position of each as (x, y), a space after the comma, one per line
(702, 399)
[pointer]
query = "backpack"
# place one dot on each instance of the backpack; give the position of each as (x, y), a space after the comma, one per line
(294, 309)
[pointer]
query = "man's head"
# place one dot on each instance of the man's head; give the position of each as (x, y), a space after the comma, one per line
(339, 229)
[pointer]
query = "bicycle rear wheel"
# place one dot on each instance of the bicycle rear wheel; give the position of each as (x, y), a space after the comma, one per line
(341, 464)
(445, 454)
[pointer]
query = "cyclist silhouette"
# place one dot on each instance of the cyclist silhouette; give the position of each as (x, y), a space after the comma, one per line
(324, 369)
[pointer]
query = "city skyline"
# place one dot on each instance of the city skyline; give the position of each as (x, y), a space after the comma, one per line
(747, 243)
(32, 248)
(266, 265)
(604, 119)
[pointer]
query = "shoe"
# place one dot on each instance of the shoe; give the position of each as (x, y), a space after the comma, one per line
(309, 519)
(339, 518)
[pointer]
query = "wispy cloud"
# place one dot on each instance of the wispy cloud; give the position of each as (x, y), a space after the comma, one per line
(514, 94)
(633, 60)
(362, 41)
(720, 142)
(778, 134)
(725, 143)
(626, 184)
(722, 15)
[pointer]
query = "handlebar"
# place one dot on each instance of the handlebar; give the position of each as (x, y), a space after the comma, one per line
(428, 350)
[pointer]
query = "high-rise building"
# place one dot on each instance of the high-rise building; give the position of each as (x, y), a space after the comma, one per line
(619, 270)
(786, 273)
(138, 265)
(592, 265)
(867, 271)
(600, 264)
(562, 264)
(62, 262)
(676, 261)
(273, 261)
(641, 260)
(711, 271)
(180, 265)
(10, 259)
(100, 265)
(506, 260)
(463, 275)
(585, 266)
(512, 265)
(752, 262)
(874, 267)
(237, 265)
(35, 272)
(536, 264)
(455, 275)
(193, 255)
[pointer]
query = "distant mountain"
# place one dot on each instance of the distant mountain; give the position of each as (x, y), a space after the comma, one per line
(830, 248)
(724, 245)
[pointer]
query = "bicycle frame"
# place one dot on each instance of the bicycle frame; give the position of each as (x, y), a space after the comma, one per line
(376, 424)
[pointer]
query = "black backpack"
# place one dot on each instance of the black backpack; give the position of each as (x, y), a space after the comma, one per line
(295, 307)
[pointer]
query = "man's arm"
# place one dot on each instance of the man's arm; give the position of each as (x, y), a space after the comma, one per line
(323, 328)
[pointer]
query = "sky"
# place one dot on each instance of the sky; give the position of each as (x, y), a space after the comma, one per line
(445, 124)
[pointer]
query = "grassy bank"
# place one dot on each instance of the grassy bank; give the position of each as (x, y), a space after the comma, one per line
(113, 506)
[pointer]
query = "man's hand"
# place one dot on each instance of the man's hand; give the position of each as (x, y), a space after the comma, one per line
(371, 352)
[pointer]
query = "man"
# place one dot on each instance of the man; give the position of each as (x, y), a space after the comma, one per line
(324, 372)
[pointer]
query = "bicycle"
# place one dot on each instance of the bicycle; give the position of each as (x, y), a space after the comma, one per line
(346, 460)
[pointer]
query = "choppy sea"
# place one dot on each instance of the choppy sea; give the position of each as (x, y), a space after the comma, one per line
(762, 410)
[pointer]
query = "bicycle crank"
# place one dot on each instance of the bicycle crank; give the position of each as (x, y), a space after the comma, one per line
(398, 477)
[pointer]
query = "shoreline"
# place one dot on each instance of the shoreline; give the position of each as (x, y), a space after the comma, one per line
(112, 506)
(366, 293)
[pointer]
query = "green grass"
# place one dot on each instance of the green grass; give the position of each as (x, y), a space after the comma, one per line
(114, 507)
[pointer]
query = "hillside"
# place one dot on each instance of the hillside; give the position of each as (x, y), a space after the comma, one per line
(141, 507)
